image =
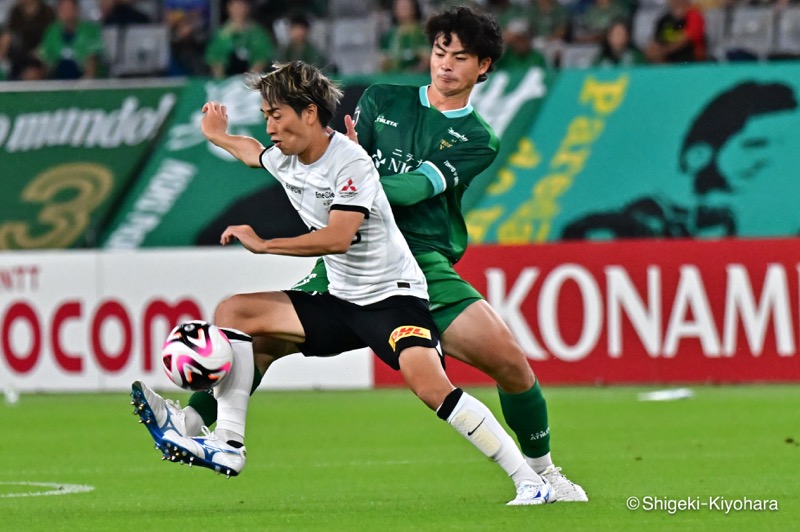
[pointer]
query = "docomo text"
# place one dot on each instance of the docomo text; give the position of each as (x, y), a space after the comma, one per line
(44, 333)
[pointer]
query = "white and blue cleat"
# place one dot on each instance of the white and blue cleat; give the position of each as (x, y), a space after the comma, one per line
(159, 415)
(530, 493)
(206, 451)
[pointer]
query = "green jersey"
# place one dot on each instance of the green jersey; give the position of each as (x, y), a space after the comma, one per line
(426, 159)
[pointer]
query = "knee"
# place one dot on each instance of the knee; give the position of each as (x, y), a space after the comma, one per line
(229, 312)
(512, 373)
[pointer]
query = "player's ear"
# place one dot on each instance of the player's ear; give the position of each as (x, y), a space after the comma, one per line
(310, 113)
(696, 157)
(484, 64)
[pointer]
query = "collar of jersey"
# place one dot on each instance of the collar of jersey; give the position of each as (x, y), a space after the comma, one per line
(453, 113)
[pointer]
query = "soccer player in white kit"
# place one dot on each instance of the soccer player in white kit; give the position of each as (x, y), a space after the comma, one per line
(377, 296)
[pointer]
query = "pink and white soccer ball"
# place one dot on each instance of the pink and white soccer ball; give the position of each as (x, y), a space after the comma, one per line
(197, 355)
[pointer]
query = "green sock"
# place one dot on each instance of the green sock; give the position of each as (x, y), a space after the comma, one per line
(526, 414)
(206, 404)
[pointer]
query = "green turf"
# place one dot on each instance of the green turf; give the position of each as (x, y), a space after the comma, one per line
(378, 460)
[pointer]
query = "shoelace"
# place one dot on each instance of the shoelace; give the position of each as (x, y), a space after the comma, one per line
(174, 407)
(557, 479)
(208, 434)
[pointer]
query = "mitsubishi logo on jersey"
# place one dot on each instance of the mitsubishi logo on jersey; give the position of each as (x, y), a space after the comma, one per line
(349, 190)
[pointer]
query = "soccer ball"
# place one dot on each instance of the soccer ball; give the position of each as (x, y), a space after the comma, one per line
(197, 355)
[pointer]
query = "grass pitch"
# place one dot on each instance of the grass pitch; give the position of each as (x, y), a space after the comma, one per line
(379, 460)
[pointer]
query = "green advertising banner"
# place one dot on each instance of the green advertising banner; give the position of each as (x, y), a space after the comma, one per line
(189, 191)
(700, 151)
(67, 155)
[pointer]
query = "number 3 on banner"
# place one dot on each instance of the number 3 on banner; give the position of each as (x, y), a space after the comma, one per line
(67, 219)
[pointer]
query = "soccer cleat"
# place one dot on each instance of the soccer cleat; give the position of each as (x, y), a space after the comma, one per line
(206, 451)
(156, 413)
(564, 489)
(529, 493)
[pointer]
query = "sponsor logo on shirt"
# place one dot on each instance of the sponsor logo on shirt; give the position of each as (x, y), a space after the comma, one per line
(348, 190)
(327, 194)
(457, 135)
(405, 331)
(453, 170)
(292, 188)
(398, 163)
(382, 120)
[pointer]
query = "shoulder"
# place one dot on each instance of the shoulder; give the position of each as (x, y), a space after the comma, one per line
(386, 91)
(346, 151)
(483, 132)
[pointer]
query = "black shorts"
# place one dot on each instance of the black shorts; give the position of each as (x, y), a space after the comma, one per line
(333, 325)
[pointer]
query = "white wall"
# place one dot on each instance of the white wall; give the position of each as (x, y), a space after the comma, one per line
(77, 320)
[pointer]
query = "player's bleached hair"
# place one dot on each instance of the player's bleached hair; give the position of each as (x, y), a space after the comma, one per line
(478, 32)
(297, 84)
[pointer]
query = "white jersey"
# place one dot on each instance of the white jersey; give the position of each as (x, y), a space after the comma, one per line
(379, 263)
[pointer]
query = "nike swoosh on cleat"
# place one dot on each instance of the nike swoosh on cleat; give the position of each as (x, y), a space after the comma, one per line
(470, 433)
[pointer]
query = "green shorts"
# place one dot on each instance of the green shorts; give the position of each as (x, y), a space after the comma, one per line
(449, 294)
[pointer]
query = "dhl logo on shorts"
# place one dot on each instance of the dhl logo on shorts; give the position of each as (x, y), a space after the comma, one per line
(407, 330)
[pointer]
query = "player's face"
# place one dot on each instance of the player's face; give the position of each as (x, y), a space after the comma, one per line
(454, 71)
(289, 132)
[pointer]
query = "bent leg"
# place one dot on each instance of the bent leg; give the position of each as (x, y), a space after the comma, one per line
(479, 337)
(422, 370)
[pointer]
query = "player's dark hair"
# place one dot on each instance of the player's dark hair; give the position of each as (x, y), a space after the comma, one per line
(478, 32)
(723, 117)
(298, 85)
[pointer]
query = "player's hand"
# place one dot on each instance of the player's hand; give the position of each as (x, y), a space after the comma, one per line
(244, 234)
(351, 128)
(215, 120)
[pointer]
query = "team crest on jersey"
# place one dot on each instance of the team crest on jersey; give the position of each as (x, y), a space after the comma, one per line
(444, 144)
(405, 331)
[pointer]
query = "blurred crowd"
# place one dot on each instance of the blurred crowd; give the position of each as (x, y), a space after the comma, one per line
(83, 39)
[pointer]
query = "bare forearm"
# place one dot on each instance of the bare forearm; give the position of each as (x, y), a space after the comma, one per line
(313, 244)
(246, 149)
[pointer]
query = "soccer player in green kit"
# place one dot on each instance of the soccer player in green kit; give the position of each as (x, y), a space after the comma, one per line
(428, 144)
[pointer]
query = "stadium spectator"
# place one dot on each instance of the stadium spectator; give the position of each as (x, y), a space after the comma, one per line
(617, 49)
(679, 35)
(240, 44)
(72, 48)
(549, 20)
(386, 309)
(591, 25)
(188, 23)
(26, 23)
(404, 47)
(519, 53)
(121, 13)
(299, 47)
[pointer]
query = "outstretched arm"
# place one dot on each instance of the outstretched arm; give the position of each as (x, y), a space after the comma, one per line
(332, 239)
(214, 126)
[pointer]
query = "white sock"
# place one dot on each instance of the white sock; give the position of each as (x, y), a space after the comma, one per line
(477, 424)
(233, 393)
(539, 464)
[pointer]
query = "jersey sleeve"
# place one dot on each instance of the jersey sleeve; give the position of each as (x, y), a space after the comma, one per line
(267, 161)
(355, 186)
(459, 164)
(364, 117)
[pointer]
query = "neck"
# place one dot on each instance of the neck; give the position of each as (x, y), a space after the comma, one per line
(316, 148)
(447, 102)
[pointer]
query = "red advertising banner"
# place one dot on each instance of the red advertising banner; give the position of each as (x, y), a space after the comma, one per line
(650, 311)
